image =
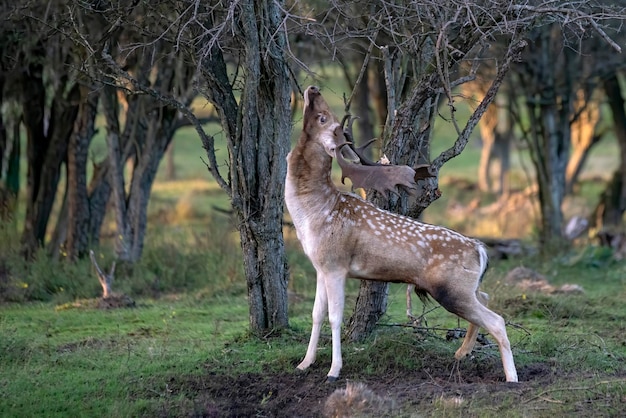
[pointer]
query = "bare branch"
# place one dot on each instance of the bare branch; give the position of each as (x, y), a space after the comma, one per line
(207, 140)
(512, 54)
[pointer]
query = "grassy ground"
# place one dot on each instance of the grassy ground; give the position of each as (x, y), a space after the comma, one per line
(184, 350)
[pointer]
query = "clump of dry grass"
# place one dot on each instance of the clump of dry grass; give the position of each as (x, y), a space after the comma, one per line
(357, 400)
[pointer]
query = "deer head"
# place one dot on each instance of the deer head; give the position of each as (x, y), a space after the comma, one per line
(354, 165)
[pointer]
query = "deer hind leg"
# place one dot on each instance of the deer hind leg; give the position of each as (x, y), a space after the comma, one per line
(495, 325)
(319, 312)
(472, 331)
(409, 304)
(467, 306)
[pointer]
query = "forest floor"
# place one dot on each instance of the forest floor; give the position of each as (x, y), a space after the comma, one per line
(411, 393)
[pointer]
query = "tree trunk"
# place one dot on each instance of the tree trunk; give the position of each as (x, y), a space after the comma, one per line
(148, 131)
(77, 239)
(259, 164)
(9, 158)
(550, 109)
(161, 128)
(409, 134)
(46, 150)
(258, 131)
(584, 136)
(33, 103)
(407, 144)
(371, 305)
(495, 133)
(487, 126)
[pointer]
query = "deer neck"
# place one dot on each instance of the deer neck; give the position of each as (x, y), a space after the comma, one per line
(309, 188)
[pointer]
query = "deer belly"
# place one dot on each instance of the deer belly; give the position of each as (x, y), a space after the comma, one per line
(381, 269)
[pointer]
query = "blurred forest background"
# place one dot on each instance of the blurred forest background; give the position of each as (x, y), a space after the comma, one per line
(148, 132)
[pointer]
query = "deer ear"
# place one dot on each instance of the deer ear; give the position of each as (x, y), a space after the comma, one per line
(382, 178)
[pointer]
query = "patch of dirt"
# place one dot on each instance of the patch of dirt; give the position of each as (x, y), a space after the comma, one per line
(304, 394)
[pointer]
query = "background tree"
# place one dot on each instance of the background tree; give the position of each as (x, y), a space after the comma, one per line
(237, 50)
(557, 81)
(57, 77)
(87, 56)
(38, 93)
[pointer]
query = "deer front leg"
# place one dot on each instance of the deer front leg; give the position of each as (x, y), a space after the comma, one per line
(335, 288)
(319, 312)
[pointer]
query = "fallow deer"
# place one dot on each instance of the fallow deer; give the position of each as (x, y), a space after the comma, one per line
(346, 236)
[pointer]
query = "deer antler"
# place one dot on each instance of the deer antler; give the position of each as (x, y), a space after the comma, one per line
(381, 178)
(370, 175)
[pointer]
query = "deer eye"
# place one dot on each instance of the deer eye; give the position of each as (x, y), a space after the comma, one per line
(322, 119)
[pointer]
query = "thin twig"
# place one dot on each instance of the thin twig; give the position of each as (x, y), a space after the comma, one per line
(366, 61)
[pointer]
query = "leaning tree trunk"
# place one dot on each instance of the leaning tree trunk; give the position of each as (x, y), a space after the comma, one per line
(488, 135)
(161, 129)
(584, 136)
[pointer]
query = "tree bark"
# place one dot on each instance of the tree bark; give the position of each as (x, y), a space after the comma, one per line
(77, 238)
(161, 128)
(257, 131)
(9, 158)
(488, 135)
(261, 165)
(46, 150)
(584, 136)
(371, 305)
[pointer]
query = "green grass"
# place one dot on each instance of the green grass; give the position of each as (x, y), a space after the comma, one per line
(59, 361)
(89, 363)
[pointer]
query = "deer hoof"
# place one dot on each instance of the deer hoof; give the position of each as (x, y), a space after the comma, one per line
(331, 379)
(460, 355)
